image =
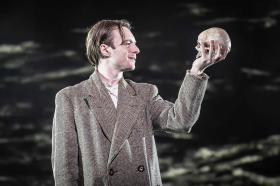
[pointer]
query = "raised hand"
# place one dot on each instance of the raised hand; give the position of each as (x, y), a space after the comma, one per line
(213, 45)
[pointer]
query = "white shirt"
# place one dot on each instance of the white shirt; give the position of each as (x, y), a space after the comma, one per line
(113, 92)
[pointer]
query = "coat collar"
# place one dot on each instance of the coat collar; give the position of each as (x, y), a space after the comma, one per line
(94, 79)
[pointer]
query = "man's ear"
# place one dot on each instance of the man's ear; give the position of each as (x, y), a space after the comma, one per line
(105, 50)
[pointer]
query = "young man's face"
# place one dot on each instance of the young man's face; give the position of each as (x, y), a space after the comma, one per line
(124, 53)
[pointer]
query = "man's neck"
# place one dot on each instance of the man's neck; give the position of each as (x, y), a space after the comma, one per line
(109, 76)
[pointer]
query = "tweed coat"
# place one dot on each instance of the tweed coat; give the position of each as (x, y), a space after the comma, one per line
(93, 143)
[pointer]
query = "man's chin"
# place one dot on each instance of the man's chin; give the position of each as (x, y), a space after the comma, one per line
(132, 68)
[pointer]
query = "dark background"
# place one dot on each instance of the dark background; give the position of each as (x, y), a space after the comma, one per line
(236, 140)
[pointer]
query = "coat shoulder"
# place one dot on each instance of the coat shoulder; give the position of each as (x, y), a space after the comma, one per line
(73, 90)
(142, 89)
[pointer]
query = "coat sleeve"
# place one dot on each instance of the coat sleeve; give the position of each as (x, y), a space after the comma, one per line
(181, 115)
(64, 143)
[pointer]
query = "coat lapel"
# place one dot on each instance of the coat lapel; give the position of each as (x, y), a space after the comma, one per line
(99, 102)
(128, 108)
(116, 124)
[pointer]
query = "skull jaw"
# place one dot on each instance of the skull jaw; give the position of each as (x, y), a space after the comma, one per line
(198, 55)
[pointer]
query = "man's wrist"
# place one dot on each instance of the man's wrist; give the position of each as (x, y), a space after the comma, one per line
(195, 71)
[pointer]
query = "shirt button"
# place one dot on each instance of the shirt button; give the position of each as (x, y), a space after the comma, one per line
(111, 172)
(140, 168)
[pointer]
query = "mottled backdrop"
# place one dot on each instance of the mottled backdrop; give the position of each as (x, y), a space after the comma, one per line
(237, 138)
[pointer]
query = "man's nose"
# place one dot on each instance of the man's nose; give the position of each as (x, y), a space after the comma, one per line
(135, 49)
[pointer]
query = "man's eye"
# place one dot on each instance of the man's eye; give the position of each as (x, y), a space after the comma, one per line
(127, 43)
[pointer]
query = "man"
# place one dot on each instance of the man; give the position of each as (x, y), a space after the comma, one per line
(103, 126)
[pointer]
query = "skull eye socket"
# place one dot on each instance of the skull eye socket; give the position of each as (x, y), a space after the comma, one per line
(206, 45)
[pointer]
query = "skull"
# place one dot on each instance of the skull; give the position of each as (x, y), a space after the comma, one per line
(217, 34)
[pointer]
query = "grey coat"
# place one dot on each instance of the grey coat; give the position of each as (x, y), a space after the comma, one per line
(95, 144)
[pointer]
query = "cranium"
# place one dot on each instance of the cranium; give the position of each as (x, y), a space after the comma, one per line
(216, 34)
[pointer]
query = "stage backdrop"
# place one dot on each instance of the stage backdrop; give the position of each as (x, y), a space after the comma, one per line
(236, 140)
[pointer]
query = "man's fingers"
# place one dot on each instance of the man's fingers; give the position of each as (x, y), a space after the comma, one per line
(211, 53)
(218, 54)
(203, 50)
